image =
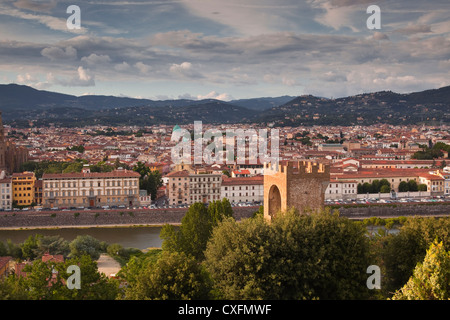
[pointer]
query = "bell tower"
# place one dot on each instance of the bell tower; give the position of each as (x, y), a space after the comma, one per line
(3, 166)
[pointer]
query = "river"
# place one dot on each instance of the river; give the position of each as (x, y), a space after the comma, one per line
(129, 237)
(134, 237)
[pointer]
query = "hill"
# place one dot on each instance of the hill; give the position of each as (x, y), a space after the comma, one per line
(22, 104)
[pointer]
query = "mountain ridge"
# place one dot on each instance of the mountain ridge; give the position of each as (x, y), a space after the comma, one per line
(21, 104)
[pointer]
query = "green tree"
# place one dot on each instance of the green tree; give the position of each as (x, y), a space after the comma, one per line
(385, 189)
(52, 245)
(367, 187)
(422, 187)
(193, 234)
(294, 257)
(403, 186)
(412, 186)
(73, 167)
(402, 251)
(219, 209)
(47, 281)
(85, 244)
(174, 276)
(29, 247)
(94, 285)
(430, 279)
(376, 186)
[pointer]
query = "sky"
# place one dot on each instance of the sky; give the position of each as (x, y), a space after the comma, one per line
(225, 49)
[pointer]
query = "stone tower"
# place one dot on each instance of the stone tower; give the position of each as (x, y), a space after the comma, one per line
(3, 166)
(299, 184)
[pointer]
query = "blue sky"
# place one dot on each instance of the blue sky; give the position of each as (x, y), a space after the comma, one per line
(225, 49)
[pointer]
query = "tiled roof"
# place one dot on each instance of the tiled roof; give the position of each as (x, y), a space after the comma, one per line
(79, 175)
(256, 180)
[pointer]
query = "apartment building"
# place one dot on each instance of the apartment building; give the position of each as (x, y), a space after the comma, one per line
(6, 194)
(243, 189)
(185, 187)
(91, 189)
(341, 189)
(435, 183)
(23, 188)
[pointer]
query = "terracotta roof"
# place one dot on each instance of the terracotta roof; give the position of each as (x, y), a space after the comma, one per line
(79, 175)
(243, 171)
(4, 261)
(23, 174)
(381, 173)
(48, 257)
(256, 180)
(182, 173)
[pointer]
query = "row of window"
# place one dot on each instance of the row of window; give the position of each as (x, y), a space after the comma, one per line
(202, 179)
(240, 188)
(85, 201)
(91, 193)
(73, 184)
(18, 195)
(345, 191)
(240, 194)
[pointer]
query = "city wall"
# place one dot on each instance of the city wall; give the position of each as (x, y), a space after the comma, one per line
(101, 218)
(158, 217)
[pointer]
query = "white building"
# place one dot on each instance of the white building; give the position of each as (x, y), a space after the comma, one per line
(341, 189)
(243, 189)
(6, 194)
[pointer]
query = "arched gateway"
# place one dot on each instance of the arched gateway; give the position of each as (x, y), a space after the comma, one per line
(298, 184)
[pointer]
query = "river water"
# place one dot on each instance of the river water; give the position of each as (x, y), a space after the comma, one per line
(129, 237)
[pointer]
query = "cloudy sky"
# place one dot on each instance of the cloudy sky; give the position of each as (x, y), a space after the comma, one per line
(229, 49)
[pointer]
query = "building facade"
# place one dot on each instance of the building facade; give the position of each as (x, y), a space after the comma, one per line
(23, 188)
(91, 189)
(6, 194)
(341, 189)
(184, 187)
(243, 189)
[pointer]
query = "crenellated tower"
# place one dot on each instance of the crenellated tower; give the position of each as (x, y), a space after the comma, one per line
(299, 184)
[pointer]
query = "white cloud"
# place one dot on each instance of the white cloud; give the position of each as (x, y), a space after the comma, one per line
(121, 67)
(94, 59)
(184, 69)
(83, 78)
(56, 53)
(142, 67)
(336, 17)
(54, 23)
(215, 95)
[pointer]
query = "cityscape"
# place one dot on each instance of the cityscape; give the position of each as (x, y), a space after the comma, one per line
(201, 160)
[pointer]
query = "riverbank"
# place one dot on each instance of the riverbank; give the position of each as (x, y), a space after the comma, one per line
(20, 220)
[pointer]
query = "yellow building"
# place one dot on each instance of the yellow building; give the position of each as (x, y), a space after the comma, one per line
(23, 188)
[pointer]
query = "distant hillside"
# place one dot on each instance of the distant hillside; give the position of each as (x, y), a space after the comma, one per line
(22, 104)
(430, 106)
(260, 104)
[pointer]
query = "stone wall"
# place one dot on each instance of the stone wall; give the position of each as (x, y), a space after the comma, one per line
(397, 210)
(55, 219)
